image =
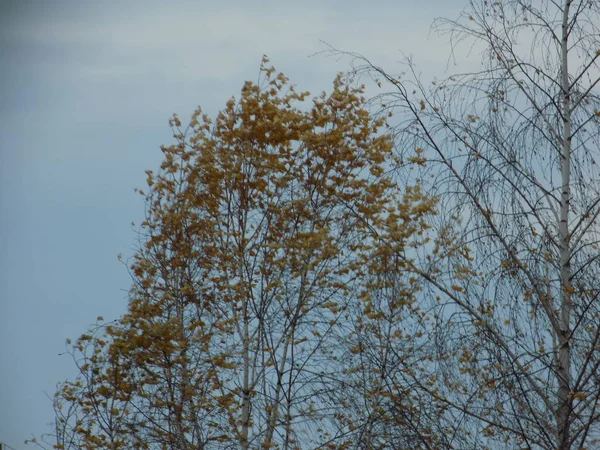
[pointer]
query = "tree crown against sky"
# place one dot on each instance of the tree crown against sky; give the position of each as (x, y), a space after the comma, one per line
(267, 271)
(512, 151)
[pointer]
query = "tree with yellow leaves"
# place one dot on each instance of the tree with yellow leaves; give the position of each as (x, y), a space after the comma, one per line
(267, 232)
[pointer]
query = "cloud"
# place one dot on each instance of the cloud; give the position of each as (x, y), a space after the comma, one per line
(187, 41)
(108, 66)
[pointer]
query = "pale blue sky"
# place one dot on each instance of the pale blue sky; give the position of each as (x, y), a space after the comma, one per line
(86, 90)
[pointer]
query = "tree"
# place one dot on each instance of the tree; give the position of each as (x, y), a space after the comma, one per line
(265, 233)
(512, 151)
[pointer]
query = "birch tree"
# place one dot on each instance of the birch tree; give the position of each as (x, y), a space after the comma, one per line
(262, 230)
(512, 150)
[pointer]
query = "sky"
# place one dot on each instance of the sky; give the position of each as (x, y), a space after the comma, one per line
(86, 91)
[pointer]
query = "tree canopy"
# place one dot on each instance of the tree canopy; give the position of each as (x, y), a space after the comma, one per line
(267, 270)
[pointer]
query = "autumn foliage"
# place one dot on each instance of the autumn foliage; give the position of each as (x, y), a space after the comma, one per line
(268, 289)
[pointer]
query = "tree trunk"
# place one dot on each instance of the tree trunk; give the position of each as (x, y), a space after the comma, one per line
(563, 362)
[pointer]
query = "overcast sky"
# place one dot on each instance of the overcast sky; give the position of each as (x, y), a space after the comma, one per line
(86, 90)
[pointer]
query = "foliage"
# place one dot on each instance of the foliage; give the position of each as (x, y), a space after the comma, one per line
(270, 264)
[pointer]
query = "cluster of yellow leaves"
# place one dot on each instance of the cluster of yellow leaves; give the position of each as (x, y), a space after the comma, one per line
(260, 226)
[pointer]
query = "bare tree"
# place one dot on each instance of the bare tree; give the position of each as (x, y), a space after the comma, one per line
(513, 152)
